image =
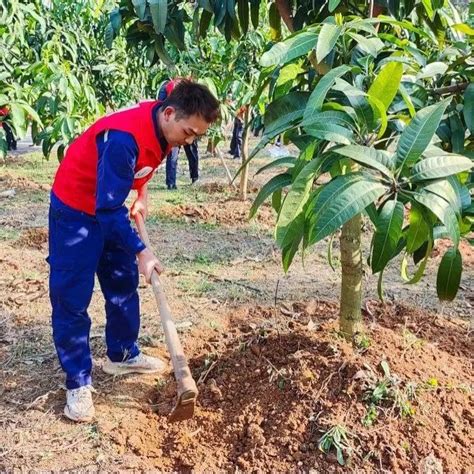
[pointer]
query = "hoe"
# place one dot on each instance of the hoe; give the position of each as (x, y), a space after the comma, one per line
(187, 390)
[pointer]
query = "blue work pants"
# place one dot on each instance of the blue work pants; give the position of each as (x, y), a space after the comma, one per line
(77, 251)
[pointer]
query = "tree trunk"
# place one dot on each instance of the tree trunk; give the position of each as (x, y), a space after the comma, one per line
(350, 316)
(244, 177)
(211, 146)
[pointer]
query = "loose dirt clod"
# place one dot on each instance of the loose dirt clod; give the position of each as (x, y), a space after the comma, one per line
(229, 212)
(35, 238)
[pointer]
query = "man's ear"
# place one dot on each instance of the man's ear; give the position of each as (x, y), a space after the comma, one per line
(168, 112)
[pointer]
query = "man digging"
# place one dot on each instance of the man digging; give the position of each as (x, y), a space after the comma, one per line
(90, 232)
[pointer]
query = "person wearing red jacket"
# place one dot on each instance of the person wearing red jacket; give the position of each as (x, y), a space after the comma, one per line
(9, 136)
(90, 232)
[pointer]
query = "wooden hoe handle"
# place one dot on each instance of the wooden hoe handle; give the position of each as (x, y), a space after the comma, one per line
(187, 390)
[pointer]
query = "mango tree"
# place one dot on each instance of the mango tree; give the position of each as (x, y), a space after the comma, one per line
(359, 124)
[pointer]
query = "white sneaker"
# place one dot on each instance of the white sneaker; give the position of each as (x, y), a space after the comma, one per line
(141, 364)
(79, 406)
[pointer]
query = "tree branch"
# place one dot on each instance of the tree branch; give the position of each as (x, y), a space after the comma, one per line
(285, 12)
(459, 87)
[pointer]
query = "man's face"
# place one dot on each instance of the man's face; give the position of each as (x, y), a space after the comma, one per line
(184, 130)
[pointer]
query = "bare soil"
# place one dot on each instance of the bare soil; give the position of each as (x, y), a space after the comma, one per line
(227, 212)
(274, 375)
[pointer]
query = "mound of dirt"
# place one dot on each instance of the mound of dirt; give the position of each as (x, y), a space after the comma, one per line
(9, 182)
(212, 188)
(230, 212)
(35, 238)
(274, 383)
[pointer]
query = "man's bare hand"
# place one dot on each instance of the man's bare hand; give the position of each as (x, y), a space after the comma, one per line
(147, 262)
(140, 205)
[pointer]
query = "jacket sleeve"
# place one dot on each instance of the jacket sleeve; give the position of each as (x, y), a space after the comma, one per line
(117, 155)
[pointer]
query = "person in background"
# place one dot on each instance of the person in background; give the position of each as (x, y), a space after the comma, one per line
(191, 150)
(237, 133)
(10, 137)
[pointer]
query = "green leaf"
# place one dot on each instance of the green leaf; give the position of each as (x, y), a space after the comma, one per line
(159, 14)
(277, 182)
(367, 156)
(305, 156)
(289, 73)
(359, 101)
(109, 35)
(419, 132)
(297, 231)
(431, 70)
(332, 116)
(330, 131)
(274, 21)
(462, 192)
(407, 99)
(292, 48)
(3, 143)
(457, 133)
(440, 166)
(327, 39)
(380, 113)
(140, 8)
(387, 83)
(115, 20)
(282, 114)
(276, 200)
(430, 11)
(220, 10)
(370, 46)
(32, 114)
(60, 152)
(204, 23)
(288, 161)
(333, 4)
(17, 113)
(372, 214)
(387, 235)
(243, 12)
(449, 275)
(420, 253)
(444, 189)
(162, 53)
(316, 99)
(468, 110)
(295, 201)
(360, 24)
(441, 208)
(421, 269)
(418, 231)
(340, 200)
(464, 28)
(254, 12)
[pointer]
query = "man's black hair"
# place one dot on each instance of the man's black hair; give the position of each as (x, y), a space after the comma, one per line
(191, 98)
